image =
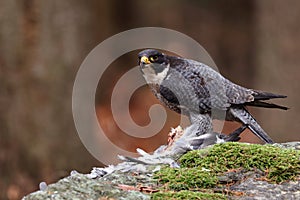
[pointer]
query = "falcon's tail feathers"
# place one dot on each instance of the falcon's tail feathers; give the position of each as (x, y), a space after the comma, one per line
(260, 95)
(246, 118)
(265, 105)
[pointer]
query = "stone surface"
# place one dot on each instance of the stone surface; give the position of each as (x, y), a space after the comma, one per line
(133, 179)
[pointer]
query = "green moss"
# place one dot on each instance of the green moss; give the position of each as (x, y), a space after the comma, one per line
(185, 179)
(187, 195)
(201, 168)
(278, 164)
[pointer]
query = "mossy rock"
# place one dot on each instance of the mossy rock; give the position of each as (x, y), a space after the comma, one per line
(202, 169)
(222, 171)
(187, 195)
(278, 164)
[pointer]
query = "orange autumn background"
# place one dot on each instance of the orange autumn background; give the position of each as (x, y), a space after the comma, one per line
(42, 44)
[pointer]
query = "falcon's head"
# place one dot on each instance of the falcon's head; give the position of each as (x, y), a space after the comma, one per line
(154, 65)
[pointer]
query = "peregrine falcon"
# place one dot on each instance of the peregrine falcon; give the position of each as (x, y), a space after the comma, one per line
(190, 88)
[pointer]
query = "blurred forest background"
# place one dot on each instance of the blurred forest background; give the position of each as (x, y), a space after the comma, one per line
(255, 43)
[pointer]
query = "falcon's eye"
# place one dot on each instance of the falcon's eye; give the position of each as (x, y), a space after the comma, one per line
(153, 58)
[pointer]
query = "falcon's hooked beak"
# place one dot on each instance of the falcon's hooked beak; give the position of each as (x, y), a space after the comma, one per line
(144, 60)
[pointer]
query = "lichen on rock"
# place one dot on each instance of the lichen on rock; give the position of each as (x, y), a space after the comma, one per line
(222, 171)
